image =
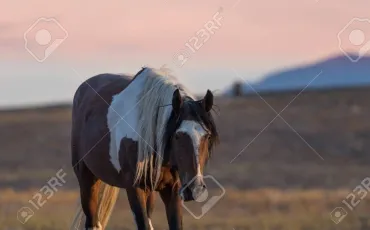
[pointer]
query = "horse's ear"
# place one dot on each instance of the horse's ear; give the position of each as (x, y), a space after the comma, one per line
(208, 101)
(177, 101)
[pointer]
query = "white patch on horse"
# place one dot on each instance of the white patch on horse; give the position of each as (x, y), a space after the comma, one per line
(196, 132)
(144, 119)
(124, 106)
(150, 224)
(199, 173)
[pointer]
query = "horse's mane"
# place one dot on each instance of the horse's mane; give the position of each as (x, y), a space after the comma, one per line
(154, 114)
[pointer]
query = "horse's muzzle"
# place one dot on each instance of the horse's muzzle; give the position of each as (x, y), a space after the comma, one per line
(195, 192)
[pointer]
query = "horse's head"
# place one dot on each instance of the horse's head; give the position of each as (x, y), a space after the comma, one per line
(194, 135)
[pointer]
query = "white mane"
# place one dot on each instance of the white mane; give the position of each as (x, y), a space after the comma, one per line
(153, 114)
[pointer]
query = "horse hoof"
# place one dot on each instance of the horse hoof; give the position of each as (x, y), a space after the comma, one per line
(98, 227)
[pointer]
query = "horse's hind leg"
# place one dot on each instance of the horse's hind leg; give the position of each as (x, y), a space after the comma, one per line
(89, 192)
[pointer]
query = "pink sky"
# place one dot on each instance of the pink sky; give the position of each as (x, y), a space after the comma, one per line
(255, 37)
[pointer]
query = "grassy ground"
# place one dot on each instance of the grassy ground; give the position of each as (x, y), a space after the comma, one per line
(264, 209)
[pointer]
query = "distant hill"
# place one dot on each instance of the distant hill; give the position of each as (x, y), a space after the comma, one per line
(337, 72)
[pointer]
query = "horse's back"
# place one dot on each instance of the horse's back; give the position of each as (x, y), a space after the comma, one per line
(93, 85)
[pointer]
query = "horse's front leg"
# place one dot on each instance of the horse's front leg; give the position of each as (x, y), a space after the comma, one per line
(138, 198)
(150, 207)
(172, 201)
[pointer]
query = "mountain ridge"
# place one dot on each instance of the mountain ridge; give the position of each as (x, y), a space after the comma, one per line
(333, 72)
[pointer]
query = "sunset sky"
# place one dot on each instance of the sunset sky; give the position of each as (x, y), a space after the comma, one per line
(253, 37)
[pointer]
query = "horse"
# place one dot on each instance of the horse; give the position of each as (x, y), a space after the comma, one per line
(146, 134)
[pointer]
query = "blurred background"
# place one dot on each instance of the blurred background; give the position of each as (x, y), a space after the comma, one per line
(292, 80)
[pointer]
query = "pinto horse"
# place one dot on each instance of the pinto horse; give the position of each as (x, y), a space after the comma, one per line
(145, 134)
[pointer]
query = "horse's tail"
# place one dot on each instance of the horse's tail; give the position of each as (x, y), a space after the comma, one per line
(107, 199)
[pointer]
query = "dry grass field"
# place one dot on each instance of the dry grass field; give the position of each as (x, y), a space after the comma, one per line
(261, 209)
(289, 177)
